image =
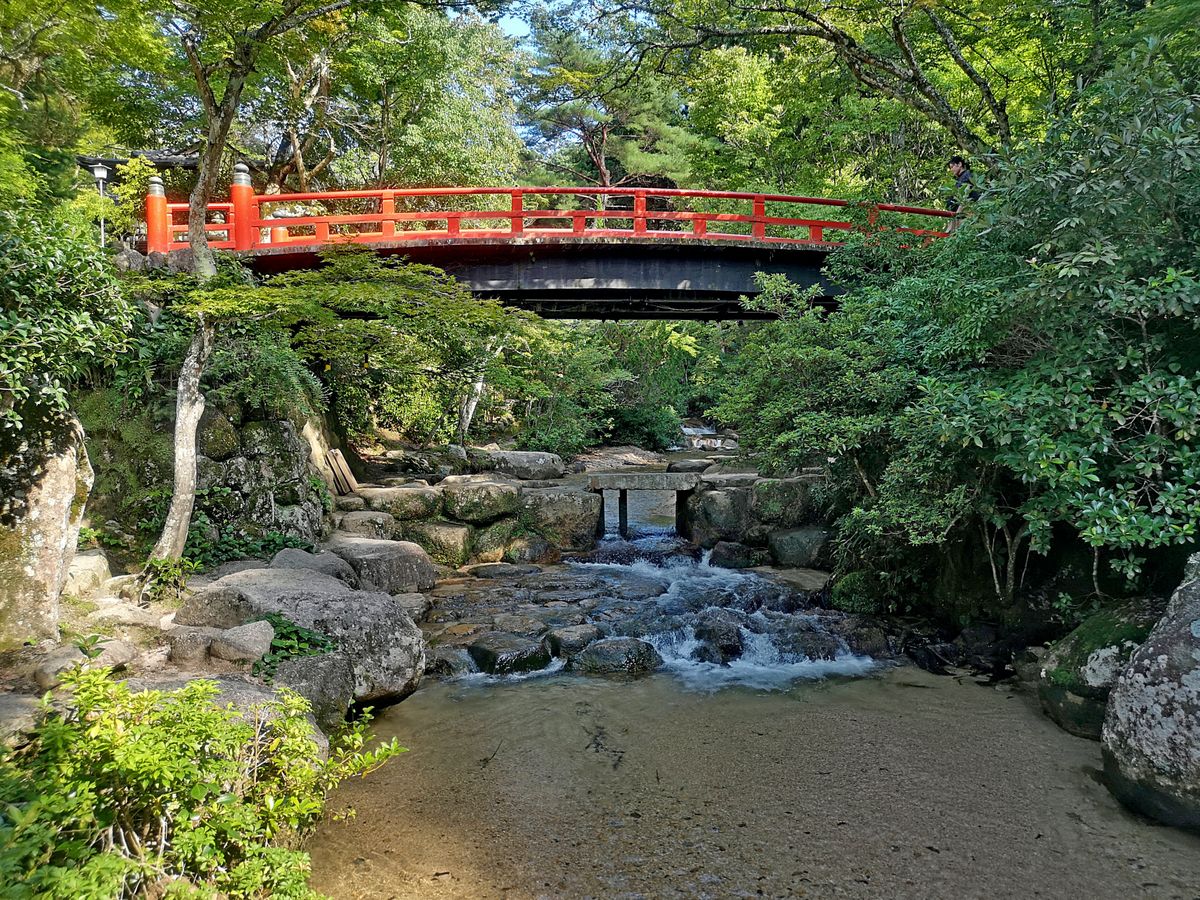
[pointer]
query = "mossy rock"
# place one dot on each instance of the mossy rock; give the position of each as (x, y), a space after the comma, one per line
(1079, 671)
(218, 438)
(492, 542)
(448, 543)
(778, 501)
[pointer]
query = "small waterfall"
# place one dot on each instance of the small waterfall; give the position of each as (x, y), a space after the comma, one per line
(717, 627)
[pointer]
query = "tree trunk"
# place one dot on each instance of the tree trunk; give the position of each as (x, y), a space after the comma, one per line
(466, 409)
(189, 407)
(220, 120)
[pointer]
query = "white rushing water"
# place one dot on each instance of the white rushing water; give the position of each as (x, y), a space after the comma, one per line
(692, 587)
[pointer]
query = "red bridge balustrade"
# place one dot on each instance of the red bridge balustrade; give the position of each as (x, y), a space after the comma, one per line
(252, 222)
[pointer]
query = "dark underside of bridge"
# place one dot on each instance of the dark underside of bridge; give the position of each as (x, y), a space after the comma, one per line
(606, 278)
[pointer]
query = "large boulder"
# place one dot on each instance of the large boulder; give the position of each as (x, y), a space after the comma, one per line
(480, 502)
(326, 680)
(385, 647)
(447, 543)
(244, 643)
(527, 465)
(781, 501)
(395, 567)
(262, 481)
(803, 548)
(43, 489)
(617, 656)
(1078, 672)
(732, 555)
(500, 654)
(86, 573)
(492, 542)
(720, 515)
(720, 634)
(567, 517)
(411, 501)
(326, 563)
(1151, 735)
(368, 523)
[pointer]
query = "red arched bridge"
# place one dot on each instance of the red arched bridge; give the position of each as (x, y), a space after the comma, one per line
(564, 252)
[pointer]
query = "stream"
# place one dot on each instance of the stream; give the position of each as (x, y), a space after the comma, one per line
(794, 767)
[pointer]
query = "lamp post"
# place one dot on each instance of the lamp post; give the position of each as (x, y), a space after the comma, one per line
(100, 173)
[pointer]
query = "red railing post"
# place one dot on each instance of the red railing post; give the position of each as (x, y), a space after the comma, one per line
(158, 218)
(453, 224)
(700, 226)
(639, 212)
(758, 228)
(518, 213)
(578, 222)
(387, 228)
(241, 195)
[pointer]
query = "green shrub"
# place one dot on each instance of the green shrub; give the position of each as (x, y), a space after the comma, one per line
(117, 791)
(646, 425)
(290, 640)
(859, 592)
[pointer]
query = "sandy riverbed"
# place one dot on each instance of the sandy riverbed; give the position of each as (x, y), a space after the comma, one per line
(902, 785)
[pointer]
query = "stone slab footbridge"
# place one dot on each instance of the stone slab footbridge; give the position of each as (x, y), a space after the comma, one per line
(560, 252)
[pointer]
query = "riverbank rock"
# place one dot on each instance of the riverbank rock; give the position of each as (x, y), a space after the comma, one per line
(86, 573)
(732, 555)
(804, 548)
(385, 647)
(1151, 735)
(326, 680)
(720, 631)
(113, 653)
(480, 502)
(325, 562)
(617, 656)
(447, 543)
(720, 515)
(394, 567)
(249, 698)
(569, 518)
(527, 465)
(413, 501)
(499, 653)
(245, 643)
(368, 523)
(1078, 672)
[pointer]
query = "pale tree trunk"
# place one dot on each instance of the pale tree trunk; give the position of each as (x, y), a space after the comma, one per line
(466, 409)
(189, 407)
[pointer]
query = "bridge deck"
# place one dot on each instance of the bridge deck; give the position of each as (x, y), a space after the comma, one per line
(561, 251)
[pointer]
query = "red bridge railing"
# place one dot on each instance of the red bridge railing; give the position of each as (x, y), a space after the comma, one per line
(251, 221)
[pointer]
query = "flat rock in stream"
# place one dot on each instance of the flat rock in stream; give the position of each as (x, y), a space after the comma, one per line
(499, 653)
(617, 656)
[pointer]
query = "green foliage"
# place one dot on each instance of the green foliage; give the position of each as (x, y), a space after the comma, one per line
(291, 640)
(859, 592)
(1036, 372)
(61, 313)
(209, 545)
(646, 425)
(117, 792)
(166, 579)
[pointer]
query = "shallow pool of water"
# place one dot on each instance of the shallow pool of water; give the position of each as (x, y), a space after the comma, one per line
(900, 784)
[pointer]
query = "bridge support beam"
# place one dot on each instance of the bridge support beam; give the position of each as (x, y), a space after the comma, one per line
(623, 513)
